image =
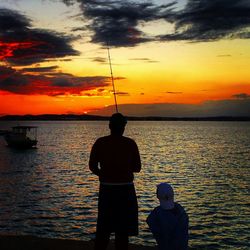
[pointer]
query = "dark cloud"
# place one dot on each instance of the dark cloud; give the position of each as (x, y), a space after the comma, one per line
(64, 82)
(61, 60)
(241, 96)
(101, 90)
(79, 29)
(119, 78)
(94, 94)
(243, 35)
(99, 59)
(66, 60)
(146, 60)
(22, 45)
(51, 84)
(224, 55)
(139, 59)
(206, 20)
(174, 92)
(12, 20)
(40, 69)
(117, 22)
(12, 79)
(120, 93)
(87, 82)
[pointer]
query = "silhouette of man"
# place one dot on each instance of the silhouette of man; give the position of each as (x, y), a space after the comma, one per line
(114, 159)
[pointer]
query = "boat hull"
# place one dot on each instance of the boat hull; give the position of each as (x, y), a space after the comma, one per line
(19, 143)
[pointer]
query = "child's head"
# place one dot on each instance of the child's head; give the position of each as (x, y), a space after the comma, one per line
(165, 194)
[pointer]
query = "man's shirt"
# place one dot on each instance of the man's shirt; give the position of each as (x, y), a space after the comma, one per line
(114, 159)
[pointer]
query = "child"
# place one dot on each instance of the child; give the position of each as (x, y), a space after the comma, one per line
(169, 221)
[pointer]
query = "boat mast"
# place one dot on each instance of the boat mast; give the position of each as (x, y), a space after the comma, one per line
(112, 78)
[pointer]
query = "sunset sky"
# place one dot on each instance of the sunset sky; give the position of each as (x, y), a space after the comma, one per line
(170, 58)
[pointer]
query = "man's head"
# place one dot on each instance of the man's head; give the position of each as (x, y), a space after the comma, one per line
(117, 123)
(165, 194)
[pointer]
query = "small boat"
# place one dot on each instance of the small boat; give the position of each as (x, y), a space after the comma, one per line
(22, 137)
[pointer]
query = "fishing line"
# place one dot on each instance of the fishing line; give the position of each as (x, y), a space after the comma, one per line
(112, 78)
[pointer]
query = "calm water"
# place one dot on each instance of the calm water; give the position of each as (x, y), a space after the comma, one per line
(50, 192)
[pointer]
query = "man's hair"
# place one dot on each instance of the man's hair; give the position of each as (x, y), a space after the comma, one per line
(117, 121)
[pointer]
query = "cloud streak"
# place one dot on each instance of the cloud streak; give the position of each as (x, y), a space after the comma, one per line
(51, 84)
(174, 92)
(145, 60)
(40, 69)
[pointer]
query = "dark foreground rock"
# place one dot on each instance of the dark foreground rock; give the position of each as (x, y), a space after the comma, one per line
(36, 243)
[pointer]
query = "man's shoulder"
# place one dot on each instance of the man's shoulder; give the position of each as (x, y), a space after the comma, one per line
(101, 140)
(110, 138)
(129, 140)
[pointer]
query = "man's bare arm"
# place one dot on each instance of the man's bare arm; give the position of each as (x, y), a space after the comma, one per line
(136, 160)
(93, 161)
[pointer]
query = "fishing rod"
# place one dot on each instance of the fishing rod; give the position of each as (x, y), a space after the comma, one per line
(112, 78)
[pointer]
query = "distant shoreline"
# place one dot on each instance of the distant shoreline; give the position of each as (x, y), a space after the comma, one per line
(65, 117)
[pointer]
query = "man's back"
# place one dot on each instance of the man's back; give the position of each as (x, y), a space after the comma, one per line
(118, 157)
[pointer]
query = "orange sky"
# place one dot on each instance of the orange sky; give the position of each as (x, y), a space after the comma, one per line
(76, 79)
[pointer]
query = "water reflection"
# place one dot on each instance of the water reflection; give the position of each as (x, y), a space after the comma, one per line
(50, 192)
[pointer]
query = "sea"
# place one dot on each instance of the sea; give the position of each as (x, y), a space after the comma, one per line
(50, 192)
